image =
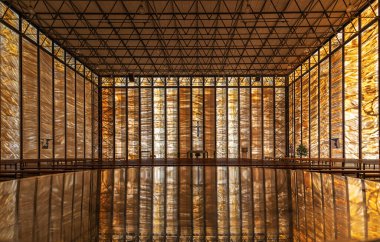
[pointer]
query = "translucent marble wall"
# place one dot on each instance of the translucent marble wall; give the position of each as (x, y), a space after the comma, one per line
(59, 109)
(120, 123)
(133, 123)
(339, 82)
(233, 123)
(172, 122)
(256, 123)
(159, 131)
(209, 122)
(221, 122)
(197, 117)
(88, 118)
(70, 114)
(146, 119)
(245, 124)
(184, 121)
(268, 122)
(280, 136)
(107, 123)
(79, 116)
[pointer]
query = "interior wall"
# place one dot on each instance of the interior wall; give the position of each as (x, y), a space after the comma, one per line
(45, 95)
(229, 117)
(334, 94)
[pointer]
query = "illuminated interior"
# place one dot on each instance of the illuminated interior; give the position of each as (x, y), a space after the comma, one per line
(239, 124)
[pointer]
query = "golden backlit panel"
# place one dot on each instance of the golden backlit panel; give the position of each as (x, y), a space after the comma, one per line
(356, 208)
(258, 203)
(197, 118)
(297, 114)
(9, 92)
(158, 201)
(372, 196)
(268, 124)
(234, 202)
(133, 123)
(301, 204)
(328, 206)
(209, 122)
(185, 202)
(233, 123)
(9, 16)
(105, 204)
(244, 126)
(221, 122)
(172, 194)
(291, 119)
(198, 184)
(351, 97)
(341, 207)
(95, 128)
(222, 203)
(337, 104)
(132, 201)
(246, 201)
(8, 212)
(46, 102)
(351, 29)
(256, 123)
(324, 135)
(172, 122)
(280, 136)
(370, 96)
(318, 206)
(120, 123)
(146, 196)
(283, 205)
(70, 113)
(146, 119)
(305, 113)
(184, 121)
(88, 119)
(271, 209)
(314, 144)
(211, 202)
(30, 100)
(59, 110)
(79, 117)
(107, 123)
(159, 131)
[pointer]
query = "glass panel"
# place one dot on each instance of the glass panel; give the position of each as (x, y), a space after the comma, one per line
(256, 123)
(370, 95)
(9, 92)
(171, 81)
(30, 100)
(197, 81)
(46, 103)
(351, 139)
(172, 122)
(159, 122)
(107, 123)
(159, 81)
(324, 139)
(233, 81)
(369, 14)
(314, 145)
(146, 119)
(197, 119)
(79, 117)
(233, 123)
(59, 110)
(221, 123)
(184, 81)
(305, 113)
(280, 134)
(29, 30)
(184, 121)
(209, 81)
(120, 123)
(244, 128)
(268, 121)
(133, 123)
(336, 104)
(209, 122)
(351, 28)
(221, 81)
(9, 16)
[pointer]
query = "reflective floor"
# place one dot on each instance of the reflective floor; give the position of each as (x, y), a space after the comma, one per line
(189, 203)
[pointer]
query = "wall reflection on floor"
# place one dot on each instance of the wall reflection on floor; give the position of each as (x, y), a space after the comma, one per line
(186, 203)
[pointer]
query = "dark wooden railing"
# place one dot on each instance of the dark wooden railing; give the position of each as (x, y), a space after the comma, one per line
(363, 168)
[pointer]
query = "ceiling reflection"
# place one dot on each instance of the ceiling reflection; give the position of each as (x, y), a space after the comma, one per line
(189, 203)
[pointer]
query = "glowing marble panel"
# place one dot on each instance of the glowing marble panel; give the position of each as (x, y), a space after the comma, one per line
(172, 122)
(30, 99)
(244, 125)
(370, 93)
(233, 123)
(107, 123)
(146, 119)
(120, 123)
(280, 138)
(198, 183)
(79, 116)
(184, 121)
(351, 97)
(305, 113)
(209, 102)
(324, 138)
(256, 123)
(314, 144)
(221, 123)
(159, 122)
(133, 123)
(268, 122)
(337, 103)
(59, 109)
(197, 117)
(88, 118)
(297, 114)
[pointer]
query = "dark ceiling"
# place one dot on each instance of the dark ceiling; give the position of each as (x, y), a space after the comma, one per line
(180, 37)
